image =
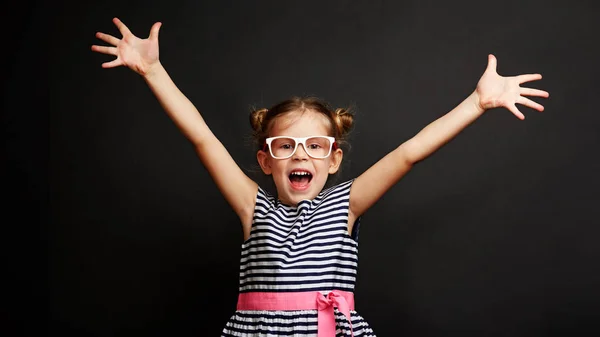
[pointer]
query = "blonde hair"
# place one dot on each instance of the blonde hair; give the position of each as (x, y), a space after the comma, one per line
(340, 119)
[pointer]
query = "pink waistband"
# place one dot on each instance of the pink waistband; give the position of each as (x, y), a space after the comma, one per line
(342, 300)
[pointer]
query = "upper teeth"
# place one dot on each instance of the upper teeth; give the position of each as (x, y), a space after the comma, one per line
(300, 173)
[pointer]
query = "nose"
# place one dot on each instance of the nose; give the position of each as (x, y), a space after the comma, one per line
(300, 153)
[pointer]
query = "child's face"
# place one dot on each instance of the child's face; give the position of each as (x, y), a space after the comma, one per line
(290, 188)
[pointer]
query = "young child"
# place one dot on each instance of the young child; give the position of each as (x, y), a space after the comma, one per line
(299, 256)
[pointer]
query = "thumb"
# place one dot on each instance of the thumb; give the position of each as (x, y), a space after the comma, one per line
(492, 62)
(154, 31)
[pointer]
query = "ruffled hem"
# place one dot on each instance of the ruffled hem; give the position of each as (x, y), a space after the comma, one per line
(249, 323)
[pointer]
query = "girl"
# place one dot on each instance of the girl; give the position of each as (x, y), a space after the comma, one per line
(299, 256)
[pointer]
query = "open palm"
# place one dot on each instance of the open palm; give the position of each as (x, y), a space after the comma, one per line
(140, 55)
(496, 91)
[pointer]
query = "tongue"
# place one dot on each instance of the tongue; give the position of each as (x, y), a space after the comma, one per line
(299, 181)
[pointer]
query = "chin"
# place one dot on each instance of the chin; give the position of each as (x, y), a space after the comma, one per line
(295, 194)
(310, 192)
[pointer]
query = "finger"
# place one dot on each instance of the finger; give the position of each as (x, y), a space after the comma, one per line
(122, 28)
(114, 63)
(512, 108)
(528, 78)
(534, 92)
(105, 50)
(492, 63)
(529, 103)
(154, 31)
(108, 38)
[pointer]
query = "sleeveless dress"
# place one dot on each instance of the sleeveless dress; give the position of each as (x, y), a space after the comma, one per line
(296, 249)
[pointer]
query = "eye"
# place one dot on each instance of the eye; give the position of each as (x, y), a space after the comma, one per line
(286, 146)
(314, 146)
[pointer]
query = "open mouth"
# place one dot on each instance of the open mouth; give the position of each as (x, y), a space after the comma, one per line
(300, 179)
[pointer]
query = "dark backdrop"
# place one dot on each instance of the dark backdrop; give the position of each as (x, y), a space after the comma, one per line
(112, 227)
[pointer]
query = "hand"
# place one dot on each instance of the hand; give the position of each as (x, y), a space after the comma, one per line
(140, 55)
(496, 91)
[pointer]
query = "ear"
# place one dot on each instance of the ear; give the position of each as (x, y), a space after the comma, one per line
(335, 160)
(264, 160)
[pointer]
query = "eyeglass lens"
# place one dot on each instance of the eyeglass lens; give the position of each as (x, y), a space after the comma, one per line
(315, 147)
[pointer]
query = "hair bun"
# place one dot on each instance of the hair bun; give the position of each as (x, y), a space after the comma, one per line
(257, 118)
(343, 120)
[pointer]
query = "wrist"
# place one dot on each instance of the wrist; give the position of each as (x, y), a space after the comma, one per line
(475, 102)
(152, 71)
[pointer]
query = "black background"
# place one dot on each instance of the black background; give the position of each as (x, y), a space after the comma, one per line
(112, 227)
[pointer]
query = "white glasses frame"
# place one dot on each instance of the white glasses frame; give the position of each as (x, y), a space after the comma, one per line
(298, 141)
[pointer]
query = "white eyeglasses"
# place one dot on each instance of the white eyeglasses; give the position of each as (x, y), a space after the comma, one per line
(283, 147)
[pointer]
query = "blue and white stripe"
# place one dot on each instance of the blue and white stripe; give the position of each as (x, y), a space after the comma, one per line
(294, 249)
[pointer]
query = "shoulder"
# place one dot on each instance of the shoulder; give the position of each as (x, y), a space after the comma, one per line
(338, 189)
(264, 198)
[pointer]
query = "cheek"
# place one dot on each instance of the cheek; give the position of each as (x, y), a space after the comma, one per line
(324, 166)
(277, 166)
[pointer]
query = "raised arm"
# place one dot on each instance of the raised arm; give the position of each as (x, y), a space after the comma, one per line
(492, 91)
(141, 55)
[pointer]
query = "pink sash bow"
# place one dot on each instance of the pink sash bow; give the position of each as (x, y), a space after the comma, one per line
(326, 318)
(342, 300)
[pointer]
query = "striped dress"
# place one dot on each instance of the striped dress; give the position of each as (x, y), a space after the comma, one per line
(295, 249)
